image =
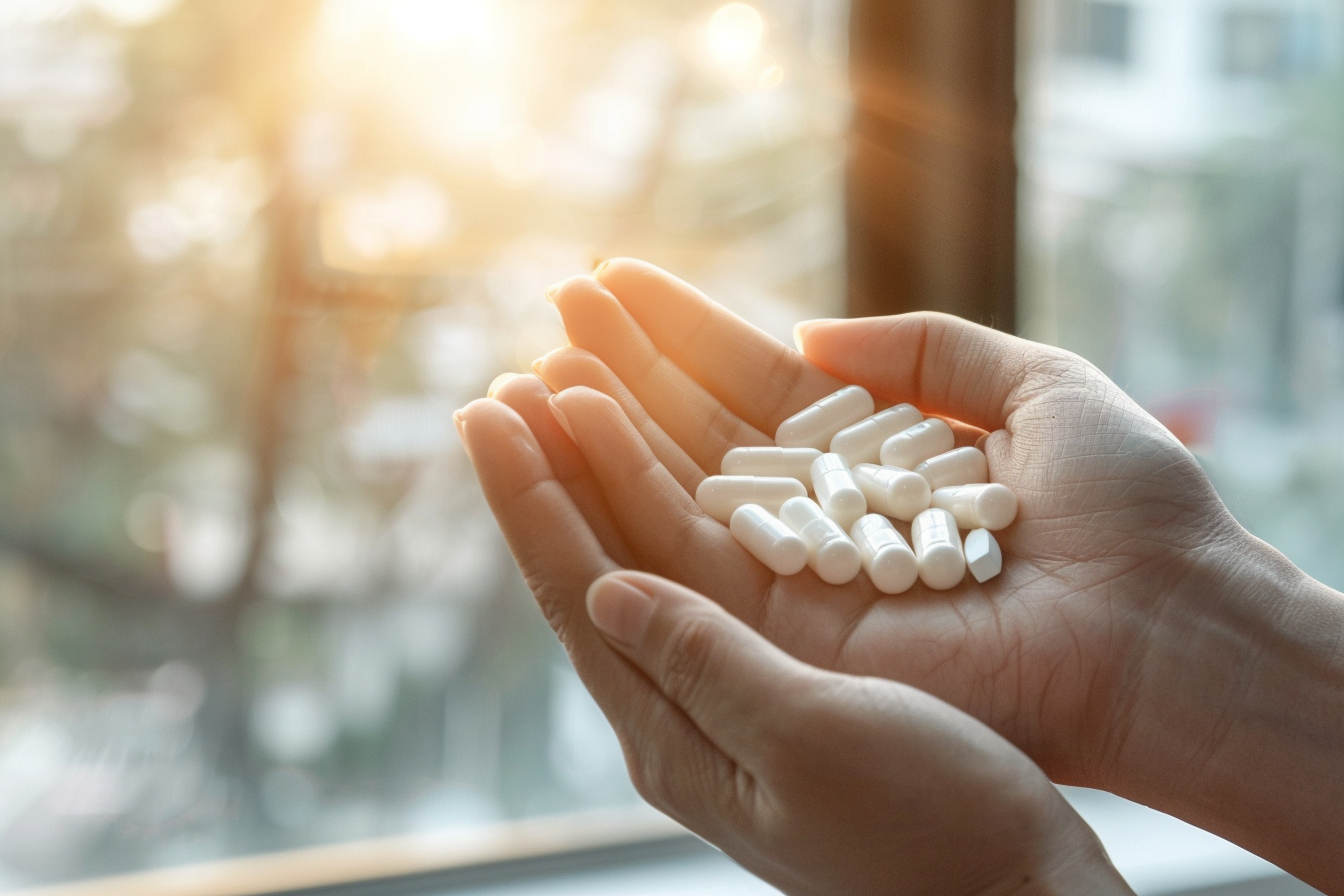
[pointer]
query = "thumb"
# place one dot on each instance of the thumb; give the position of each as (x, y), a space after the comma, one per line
(941, 364)
(732, 683)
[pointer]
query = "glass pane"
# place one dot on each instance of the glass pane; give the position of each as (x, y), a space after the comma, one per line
(1184, 229)
(1095, 30)
(252, 255)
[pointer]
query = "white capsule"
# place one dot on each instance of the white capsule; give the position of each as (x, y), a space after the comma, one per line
(942, 565)
(983, 557)
(917, 444)
(887, 559)
(837, 492)
(720, 496)
(899, 494)
(965, 466)
(862, 442)
(768, 539)
(987, 506)
(830, 553)
(790, 463)
(815, 426)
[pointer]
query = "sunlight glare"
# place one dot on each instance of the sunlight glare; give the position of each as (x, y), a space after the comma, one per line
(133, 13)
(437, 22)
(736, 34)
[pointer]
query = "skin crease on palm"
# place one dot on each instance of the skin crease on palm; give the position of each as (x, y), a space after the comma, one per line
(1071, 654)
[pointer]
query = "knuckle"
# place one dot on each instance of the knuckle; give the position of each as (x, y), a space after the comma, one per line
(647, 776)
(647, 761)
(661, 782)
(687, 656)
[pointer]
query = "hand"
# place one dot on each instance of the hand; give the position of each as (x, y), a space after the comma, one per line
(1116, 519)
(823, 783)
(1134, 628)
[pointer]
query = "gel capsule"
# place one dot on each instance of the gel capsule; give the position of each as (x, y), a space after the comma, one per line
(965, 466)
(830, 553)
(768, 539)
(942, 565)
(991, 506)
(720, 496)
(837, 492)
(917, 444)
(900, 494)
(887, 559)
(815, 426)
(862, 442)
(790, 463)
(983, 557)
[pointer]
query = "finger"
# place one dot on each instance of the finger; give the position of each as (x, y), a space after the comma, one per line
(735, 686)
(755, 376)
(551, 541)
(941, 364)
(966, 436)
(528, 396)
(566, 368)
(672, 762)
(694, 418)
(663, 525)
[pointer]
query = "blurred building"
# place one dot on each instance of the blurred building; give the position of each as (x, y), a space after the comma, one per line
(1184, 212)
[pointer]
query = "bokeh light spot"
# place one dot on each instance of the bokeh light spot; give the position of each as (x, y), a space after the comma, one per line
(736, 34)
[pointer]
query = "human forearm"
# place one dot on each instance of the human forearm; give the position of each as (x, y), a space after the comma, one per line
(1246, 735)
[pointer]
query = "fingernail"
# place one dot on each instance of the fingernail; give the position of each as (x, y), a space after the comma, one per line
(620, 610)
(802, 329)
(552, 290)
(536, 365)
(498, 383)
(461, 424)
(599, 268)
(560, 418)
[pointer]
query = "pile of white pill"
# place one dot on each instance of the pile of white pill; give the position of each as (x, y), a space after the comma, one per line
(865, 469)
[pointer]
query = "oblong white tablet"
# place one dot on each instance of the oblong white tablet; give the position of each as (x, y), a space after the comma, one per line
(888, 560)
(986, 506)
(917, 444)
(964, 466)
(789, 463)
(816, 425)
(720, 496)
(983, 556)
(862, 442)
(900, 494)
(830, 553)
(837, 492)
(942, 564)
(768, 539)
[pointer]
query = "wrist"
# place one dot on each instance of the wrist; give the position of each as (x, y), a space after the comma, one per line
(1240, 726)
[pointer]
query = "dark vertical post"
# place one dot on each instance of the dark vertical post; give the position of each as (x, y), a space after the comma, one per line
(932, 179)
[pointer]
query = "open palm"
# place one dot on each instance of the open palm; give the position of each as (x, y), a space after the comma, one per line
(1117, 519)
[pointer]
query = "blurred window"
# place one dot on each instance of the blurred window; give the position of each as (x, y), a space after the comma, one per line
(1184, 230)
(1097, 30)
(1271, 43)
